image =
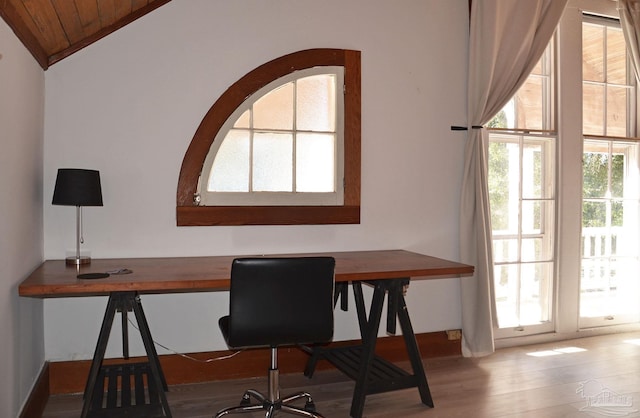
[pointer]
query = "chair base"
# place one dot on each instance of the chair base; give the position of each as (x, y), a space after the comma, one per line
(272, 406)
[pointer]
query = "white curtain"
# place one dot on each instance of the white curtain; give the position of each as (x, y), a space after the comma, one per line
(506, 40)
(630, 21)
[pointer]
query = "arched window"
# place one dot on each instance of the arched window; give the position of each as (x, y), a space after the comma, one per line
(280, 146)
(283, 145)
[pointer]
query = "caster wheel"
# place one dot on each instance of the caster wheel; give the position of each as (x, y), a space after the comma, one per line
(310, 407)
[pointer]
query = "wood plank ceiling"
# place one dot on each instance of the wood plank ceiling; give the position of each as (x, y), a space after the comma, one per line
(54, 29)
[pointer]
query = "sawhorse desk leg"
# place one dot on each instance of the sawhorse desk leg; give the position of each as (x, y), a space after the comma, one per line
(155, 403)
(371, 373)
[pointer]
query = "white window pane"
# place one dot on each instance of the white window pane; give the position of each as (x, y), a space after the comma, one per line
(230, 170)
(505, 287)
(532, 217)
(272, 162)
(616, 57)
(500, 193)
(315, 103)
(315, 163)
(593, 109)
(523, 293)
(294, 142)
(617, 111)
(244, 120)
(619, 164)
(505, 250)
(535, 291)
(531, 170)
(531, 249)
(529, 102)
(275, 109)
(609, 287)
(592, 52)
(537, 219)
(595, 172)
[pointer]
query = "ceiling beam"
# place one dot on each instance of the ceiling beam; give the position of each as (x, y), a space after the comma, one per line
(77, 46)
(11, 16)
(52, 30)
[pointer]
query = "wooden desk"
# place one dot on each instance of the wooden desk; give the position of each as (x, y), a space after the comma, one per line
(388, 272)
(192, 274)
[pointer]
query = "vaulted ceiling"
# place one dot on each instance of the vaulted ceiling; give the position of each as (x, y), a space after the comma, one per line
(54, 29)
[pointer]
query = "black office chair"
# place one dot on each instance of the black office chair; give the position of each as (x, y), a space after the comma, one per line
(274, 302)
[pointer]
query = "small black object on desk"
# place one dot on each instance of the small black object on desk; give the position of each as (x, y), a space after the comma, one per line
(105, 274)
(93, 275)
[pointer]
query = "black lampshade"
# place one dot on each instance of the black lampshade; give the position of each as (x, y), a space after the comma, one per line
(77, 187)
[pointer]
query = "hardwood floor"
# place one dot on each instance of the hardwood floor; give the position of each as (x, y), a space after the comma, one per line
(510, 383)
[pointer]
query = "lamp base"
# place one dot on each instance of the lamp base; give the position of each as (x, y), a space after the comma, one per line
(75, 261)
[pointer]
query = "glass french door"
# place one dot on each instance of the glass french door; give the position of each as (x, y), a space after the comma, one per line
(521, 189)
(610, 272)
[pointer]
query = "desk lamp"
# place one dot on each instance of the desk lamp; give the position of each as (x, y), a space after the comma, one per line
(77, 187)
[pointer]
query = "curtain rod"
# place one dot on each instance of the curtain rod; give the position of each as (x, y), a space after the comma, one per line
(464, 128)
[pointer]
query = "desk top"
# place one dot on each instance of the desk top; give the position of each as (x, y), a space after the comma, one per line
(195, 274)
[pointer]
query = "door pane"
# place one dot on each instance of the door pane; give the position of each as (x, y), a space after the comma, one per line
(503, 159)
(523, 293)
(609, 284)
(505, 250)
(537, 243)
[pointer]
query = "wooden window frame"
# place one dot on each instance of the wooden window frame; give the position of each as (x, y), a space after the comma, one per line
(188, 213)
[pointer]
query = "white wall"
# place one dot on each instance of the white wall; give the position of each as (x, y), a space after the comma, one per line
(21, 224)
(130, 104)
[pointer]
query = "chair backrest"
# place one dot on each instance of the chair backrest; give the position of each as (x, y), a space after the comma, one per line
(280, 301)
